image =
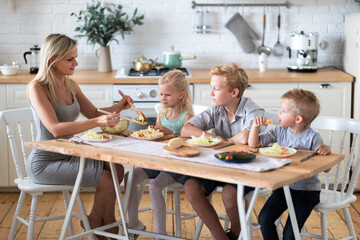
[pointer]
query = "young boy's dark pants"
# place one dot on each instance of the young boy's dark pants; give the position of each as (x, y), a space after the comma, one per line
(304, 202)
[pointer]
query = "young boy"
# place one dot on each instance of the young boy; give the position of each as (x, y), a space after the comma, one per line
(298, 109)
(231, 116)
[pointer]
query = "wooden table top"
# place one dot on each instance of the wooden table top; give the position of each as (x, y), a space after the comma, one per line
(272, 179)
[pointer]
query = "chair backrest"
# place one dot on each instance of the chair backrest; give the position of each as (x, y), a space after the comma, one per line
(196, 107)
(19, 118)
(342, 129)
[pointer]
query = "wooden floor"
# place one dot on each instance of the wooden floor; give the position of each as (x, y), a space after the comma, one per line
(52, 203)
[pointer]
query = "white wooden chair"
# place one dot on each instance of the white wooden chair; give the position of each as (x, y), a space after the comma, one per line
(22, 118)
(340, 195)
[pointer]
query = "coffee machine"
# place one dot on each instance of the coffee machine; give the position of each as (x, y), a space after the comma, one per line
(306, 47)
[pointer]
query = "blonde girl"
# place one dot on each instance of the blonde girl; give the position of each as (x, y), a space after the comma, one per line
(56, 101)
(176, 110)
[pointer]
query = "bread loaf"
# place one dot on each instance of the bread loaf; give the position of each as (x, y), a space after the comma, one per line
(175, 143)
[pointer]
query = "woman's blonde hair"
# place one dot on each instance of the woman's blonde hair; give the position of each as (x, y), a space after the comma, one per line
(53, 49)
(235, 77)
(303, 103)
(179, 82)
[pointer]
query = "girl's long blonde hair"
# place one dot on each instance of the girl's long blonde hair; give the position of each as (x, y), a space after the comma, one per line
(179, 82)
(54, 48)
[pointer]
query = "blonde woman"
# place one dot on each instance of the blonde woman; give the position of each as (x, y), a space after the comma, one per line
(176, 111)
(56, 101)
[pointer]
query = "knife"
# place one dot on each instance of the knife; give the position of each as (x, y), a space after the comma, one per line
(309, 156)
(226, 145)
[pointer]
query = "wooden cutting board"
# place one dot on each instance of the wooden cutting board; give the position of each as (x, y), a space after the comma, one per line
(183, 151)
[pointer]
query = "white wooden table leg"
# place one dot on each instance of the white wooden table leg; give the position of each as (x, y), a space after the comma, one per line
(242, 214)
(292, 215)
(119, 198)
(128, 188)
(73, 197)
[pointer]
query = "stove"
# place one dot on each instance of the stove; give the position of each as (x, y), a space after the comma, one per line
(155, 72)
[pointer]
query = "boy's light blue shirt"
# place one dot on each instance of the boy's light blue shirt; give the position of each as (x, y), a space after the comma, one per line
(216, 117)
(306, 140)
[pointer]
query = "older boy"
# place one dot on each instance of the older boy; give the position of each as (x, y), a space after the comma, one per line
(298, 109)
(231, 116)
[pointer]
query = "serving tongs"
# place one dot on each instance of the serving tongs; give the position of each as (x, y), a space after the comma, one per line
(126, 118)
(141, 115)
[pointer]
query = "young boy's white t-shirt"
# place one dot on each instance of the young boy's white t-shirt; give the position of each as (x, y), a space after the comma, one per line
(306, 140)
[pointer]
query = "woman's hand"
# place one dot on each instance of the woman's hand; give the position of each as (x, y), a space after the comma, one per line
(108, 120)
(124, 103)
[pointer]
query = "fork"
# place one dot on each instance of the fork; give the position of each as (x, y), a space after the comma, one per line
(256, 151)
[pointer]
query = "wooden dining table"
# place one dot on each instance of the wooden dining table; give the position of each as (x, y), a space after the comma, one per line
(272, 179)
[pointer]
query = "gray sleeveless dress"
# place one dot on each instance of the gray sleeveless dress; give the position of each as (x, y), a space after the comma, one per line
(55, 168)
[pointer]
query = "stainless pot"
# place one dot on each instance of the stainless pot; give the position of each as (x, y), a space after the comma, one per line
(173, 59)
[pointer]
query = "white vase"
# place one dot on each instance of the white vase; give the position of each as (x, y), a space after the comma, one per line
(103, 54)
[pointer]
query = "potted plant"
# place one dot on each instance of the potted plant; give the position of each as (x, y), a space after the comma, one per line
(101, 24)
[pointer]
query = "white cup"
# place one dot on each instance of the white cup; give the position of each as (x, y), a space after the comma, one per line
(263, 61)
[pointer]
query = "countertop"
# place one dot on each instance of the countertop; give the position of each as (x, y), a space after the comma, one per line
(197, 76)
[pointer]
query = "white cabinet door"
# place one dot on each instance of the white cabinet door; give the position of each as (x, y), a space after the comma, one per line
(16, 96)
(202, 94)
(267, 95)
(101, 95)
(4, 177)
(334, 97)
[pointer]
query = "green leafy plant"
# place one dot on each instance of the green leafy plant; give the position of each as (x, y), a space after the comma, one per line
(102, 23)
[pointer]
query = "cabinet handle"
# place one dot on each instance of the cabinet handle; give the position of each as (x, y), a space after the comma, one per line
(325, 85)
(249, 86)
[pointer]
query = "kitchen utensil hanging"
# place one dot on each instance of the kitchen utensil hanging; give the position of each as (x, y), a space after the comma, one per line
(263, 48)
(278, 47)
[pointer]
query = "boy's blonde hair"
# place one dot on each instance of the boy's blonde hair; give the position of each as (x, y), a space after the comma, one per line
(303, 103)
(179, 82)
(54, 48)
(235, 77)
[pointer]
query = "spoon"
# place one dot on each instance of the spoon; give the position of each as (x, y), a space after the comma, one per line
(278, 48)
(263, 48)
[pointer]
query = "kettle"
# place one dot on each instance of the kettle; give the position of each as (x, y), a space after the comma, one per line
(34, 59)
(144, 65)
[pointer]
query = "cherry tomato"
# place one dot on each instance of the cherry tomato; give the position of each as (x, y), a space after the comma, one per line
(228, 158)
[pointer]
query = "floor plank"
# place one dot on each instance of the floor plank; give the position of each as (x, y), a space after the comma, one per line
(53, 204)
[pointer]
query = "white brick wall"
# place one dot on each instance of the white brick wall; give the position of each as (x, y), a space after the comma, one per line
(170, 22)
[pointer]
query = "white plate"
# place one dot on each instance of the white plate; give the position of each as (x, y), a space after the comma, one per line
(150, 139)
(97, 140)
(292, 150)
(202, 145)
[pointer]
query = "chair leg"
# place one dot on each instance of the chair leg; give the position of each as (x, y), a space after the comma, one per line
(32, 217)
(177, 213)
(198, 229)
(66, 203)
(324, 234)
(16, 215)
(349, 223)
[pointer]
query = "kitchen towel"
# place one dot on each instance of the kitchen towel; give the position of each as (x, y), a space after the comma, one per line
(242, 32)
(207, 155)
